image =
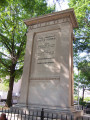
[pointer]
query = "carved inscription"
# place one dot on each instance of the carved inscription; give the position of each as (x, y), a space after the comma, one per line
(46, 49)
(45, 64)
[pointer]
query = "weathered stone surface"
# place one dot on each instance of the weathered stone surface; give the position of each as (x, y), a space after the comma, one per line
(48, 67)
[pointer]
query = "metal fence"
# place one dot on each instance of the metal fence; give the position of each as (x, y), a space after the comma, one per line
(80, 107)
(40, 114)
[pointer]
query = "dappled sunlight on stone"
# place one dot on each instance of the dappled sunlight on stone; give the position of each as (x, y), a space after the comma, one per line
(48, 69)
(55, 67)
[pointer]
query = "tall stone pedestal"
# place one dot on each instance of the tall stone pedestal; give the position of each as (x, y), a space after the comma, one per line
(47, 80)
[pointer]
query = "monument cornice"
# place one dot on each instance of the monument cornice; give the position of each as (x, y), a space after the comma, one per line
(54, 16)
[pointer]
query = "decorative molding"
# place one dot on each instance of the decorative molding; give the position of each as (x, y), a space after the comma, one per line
(52, 78)
(54, 16)
(44, 24)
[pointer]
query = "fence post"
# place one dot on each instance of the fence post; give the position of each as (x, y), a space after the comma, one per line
(82, 107)
(42, 114)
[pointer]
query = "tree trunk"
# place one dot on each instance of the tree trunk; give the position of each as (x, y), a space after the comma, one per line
(83, 94)
(11, 82)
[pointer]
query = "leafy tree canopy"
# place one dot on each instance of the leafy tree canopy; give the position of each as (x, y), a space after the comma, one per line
(81, 45)
(82, 12)
(13, 36)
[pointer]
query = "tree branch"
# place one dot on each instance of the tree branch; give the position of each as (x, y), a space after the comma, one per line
(20, 61)
(5, 65)
(5, 26)
(4, 40)
(4, 55)
(78, 38)
(20, 69)
(21, 46)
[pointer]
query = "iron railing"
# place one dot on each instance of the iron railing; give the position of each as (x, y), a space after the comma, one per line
(38, 114)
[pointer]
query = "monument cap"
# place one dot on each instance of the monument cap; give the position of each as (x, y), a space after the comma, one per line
(54, 16)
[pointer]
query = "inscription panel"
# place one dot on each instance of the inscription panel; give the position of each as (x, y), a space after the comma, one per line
(46, 49)
(44, 59)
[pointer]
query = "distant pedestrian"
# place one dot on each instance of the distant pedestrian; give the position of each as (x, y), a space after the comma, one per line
(3, 116)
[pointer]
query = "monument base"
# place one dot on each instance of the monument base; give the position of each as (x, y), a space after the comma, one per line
(62, 113)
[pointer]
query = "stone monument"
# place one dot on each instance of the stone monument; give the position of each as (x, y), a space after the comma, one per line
(47, 79)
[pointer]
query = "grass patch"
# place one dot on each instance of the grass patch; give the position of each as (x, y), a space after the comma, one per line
(87, 99)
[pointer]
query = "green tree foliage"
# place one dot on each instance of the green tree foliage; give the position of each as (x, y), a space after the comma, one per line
(85, 70)
(81, 44)
(13, 36)
(3, 87)
(82, 12)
